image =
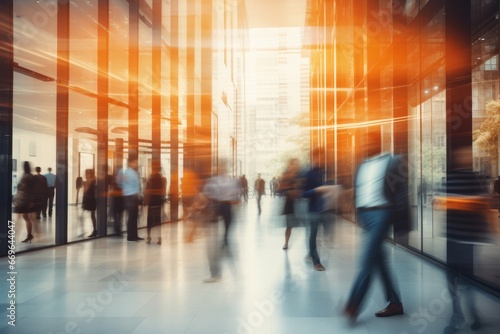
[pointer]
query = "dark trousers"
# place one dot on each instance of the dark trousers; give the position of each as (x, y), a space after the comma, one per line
(117, 214)
(224, 210)
(258, 202)
(132, 206)
(50, 200)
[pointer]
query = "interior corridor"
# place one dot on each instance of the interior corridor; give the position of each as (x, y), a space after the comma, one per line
(109, 285)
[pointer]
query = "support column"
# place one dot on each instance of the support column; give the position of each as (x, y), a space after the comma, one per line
(458, 99)
(133, 86)
(62, 105)
(174, 111)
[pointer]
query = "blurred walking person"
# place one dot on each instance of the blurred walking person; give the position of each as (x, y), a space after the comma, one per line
(466, 205)
(23, 200)
(154, 193)
(290, 188)
(380, 199)
(222, 192)
(314, 179)
(244, 187)
(190, 190)
(260, 189)
(89, 199)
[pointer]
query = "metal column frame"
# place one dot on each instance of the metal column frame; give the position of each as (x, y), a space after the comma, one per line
(62, 105)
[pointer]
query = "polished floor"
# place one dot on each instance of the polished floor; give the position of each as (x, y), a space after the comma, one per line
(109, 285)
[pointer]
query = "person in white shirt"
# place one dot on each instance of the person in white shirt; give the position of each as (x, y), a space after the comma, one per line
(130, 183)
(380, 197)
(223, 191)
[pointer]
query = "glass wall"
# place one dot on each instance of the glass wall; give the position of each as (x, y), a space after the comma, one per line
(78, 113)
(34, 119)
(83, 134)
(420, 46)
(485, 96)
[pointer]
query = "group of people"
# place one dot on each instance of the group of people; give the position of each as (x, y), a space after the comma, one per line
(380, 203)
(380, 194)
(126, 196)
(34, 197)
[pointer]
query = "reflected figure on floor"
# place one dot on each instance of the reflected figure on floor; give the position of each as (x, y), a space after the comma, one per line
(154, 193)
(290, 188)
(466, 203)
(260, 190)
(23, 200)
(129, 181)
(381, 199)
(40, 191)
(89, 200)
(51, 186)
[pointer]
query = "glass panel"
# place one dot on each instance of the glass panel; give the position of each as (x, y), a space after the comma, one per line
(145, 118)
(34, 141)
(82, 165)
(118, 46)
(434, 162)
(83, 45)
(34, 121)
(417, 185)
(117, 155)
(486, 87)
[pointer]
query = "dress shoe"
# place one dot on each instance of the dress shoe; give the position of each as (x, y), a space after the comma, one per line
(390, 310)
(139, 238)
(319, 267)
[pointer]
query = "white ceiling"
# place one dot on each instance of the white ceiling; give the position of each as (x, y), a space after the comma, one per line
(276, 13)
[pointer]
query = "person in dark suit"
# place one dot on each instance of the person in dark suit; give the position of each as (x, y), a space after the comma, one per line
(381, 200)
(466, 225)
(260, 189)
(89, 200)
(313, 180)
(154, 193)
(40, 191)
(244, 187)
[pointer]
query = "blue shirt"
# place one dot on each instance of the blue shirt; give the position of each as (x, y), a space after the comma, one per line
(51, 179)
(129, 182)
